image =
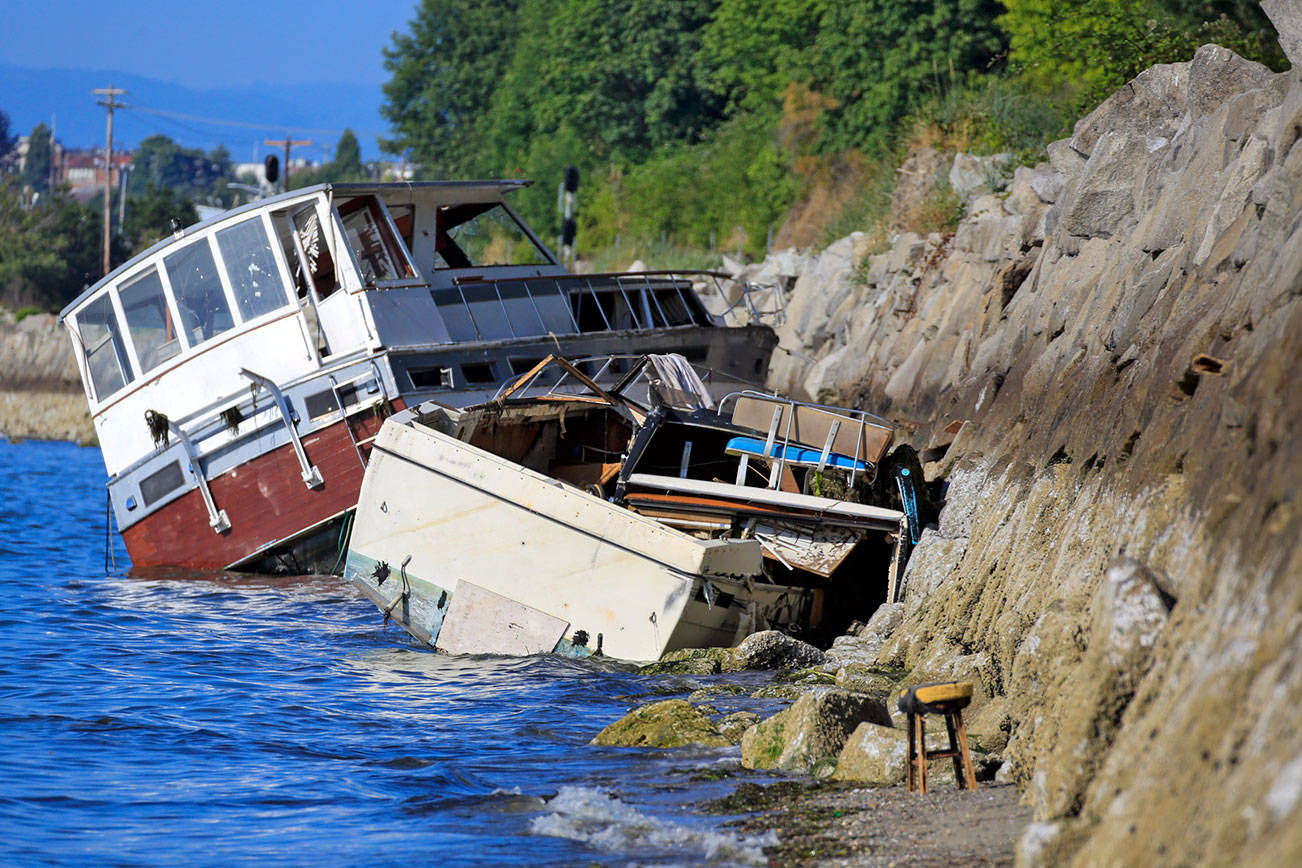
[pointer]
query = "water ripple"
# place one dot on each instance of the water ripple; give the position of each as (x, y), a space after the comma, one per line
(213, 719)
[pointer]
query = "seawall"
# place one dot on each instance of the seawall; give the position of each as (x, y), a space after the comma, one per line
(1117, 565)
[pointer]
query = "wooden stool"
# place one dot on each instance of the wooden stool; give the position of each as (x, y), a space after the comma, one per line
(947, 698)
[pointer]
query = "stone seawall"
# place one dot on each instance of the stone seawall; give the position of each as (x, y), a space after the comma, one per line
(1118, 564)
(40, 390)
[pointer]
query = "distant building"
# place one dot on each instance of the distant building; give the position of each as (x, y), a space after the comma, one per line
(83, 170)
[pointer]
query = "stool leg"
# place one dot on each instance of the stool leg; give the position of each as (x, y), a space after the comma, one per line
(913, 755)
(953, 747)
(968, 774)
(922, 752)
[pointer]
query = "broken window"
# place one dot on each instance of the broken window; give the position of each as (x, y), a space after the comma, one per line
(377, 252)
(198, 291)
(320, 264)
(251, 267)
(477, 234)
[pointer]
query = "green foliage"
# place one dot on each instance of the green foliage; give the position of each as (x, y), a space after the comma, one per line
(880, 58)
(149, 217)
(1093, 47)
(36, 168)
(999, 113)
(347, 165)
(161, 163)
(754, 48)
(691, 194)
(24, 312)
(698, 124)
(49, 251)
(445, 72)
(348, 158)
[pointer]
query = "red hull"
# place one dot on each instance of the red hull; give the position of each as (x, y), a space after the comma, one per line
(265, 500)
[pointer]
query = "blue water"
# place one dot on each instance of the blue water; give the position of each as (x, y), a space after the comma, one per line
(246, 720)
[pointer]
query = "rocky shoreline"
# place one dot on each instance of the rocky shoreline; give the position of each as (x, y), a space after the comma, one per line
(1099, 364)
(40, 389)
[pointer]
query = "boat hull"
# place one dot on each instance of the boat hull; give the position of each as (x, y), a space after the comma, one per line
(267, 503)
(552, 568)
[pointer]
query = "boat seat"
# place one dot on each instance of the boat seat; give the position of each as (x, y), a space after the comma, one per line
(792, 453)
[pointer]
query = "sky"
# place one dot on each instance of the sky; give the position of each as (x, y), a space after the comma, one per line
(323, 52)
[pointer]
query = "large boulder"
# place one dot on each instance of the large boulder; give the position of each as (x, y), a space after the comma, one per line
(874, 754)
(771, 649)
(671, 723)
(811, 732)
(690, 661)
(1286, 15)
(733, 726)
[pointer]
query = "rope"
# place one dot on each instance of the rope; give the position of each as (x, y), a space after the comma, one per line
(343, 541)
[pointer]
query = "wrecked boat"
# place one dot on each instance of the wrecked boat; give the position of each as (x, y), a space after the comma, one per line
(630, 520)
(238, 371)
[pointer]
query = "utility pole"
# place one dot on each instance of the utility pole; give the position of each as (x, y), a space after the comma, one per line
(109, 104)
(286, 143)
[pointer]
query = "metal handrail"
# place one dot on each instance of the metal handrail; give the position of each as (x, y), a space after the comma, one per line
(518, 384)
(849, 412)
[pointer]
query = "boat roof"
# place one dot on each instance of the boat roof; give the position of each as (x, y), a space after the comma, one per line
(498, 186)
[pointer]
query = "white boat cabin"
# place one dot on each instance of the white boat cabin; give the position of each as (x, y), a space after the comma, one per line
(270, 322)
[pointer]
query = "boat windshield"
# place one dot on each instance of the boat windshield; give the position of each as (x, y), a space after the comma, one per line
(476, 234)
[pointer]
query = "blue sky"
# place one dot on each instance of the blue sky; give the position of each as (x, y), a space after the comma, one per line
(318, 64)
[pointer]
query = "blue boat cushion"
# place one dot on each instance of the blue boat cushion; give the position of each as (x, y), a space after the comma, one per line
(792, 453)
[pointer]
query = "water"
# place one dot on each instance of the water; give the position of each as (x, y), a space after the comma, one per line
(247, 720)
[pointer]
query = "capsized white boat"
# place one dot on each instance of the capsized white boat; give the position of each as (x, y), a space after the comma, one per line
(543, 524)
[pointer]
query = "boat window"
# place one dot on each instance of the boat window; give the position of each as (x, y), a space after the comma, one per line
(106, 357)
(478, 372)
(251, 267)
(320, 264)
(198, 292)
(477, 234)
(372, 242)
(404, 220)
(149, 322)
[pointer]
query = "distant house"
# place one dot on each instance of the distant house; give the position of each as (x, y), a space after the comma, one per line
(83, 170)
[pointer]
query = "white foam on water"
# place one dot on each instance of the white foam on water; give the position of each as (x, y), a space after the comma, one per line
(593, 817)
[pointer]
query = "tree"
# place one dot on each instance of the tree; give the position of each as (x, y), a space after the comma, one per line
(444, 73)
(7, 141)
(754, 48)
(49, 252)
(36, 167)
(348, 158)
(149, 217)
(160, 162)
(1095, 46)
(877, 59)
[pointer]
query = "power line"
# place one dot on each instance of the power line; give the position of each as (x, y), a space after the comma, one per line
(242, 124)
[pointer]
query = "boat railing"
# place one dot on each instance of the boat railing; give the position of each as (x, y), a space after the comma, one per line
(761, 302)
(519, 307)
(260, 407)
(804, 433)
(619, 369)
